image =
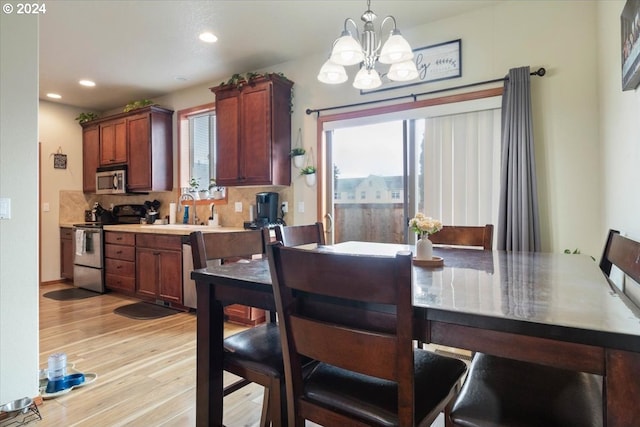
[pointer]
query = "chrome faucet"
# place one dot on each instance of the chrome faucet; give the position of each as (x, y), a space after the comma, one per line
(186, 196)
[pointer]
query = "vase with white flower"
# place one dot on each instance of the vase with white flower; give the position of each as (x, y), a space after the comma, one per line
(424, 226)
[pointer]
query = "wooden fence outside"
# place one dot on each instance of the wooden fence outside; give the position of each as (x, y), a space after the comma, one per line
(369, 222)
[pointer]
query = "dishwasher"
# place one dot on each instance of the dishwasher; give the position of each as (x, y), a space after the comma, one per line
(88, 268)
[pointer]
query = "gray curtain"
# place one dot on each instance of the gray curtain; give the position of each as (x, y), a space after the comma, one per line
(518, 220)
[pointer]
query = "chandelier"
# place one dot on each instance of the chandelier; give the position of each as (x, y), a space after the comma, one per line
(348, 50)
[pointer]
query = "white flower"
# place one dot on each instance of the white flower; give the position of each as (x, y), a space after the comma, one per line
(424, 224)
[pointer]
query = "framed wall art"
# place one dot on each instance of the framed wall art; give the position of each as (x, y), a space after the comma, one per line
(435, 62)
(630, 32)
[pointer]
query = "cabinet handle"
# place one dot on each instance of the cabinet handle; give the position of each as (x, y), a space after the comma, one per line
(118, 238)
(118, 252)
(118, 267)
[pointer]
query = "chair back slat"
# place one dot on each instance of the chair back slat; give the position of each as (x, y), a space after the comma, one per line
(481, 236)
(209, 246)
(624, 253)
(319, 341)
(298, 235)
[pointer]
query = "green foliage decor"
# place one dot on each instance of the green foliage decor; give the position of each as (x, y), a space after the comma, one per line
(134, 105)
(297, 151)
(86, 117)
(308, 170)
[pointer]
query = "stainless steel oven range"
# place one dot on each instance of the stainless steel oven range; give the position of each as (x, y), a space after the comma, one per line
(88, 245)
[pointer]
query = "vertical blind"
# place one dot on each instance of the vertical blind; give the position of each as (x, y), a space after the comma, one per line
(461, 163)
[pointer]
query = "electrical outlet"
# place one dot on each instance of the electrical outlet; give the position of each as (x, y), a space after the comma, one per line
(285, 207)
(301, 207)
(238, 206)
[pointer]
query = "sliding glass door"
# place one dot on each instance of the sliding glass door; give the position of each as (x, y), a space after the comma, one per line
(368, 182)
(442, 162)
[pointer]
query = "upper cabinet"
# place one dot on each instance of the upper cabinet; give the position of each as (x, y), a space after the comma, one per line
(113, 142)
(90, 156)
(253, 132)
(140, 139)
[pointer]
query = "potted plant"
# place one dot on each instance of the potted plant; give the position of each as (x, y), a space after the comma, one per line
(424, 226)
(297, 154)
(309, 173)
(215, 191)
(194, 185)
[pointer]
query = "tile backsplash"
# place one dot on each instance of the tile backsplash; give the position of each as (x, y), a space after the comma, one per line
(74, 203)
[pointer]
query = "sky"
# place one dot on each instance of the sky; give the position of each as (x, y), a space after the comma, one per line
(369, 150)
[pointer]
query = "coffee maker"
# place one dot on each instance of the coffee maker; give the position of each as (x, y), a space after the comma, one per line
(266, 208)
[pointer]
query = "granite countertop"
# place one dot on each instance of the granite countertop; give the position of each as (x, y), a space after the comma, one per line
(176, 229)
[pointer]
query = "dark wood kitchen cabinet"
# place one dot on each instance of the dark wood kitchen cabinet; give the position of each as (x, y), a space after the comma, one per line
(120, 261)
(141, 139)
(113, 142)
(159, 267)
(150, 150)
(90, 157)
(66, 253)
(253, 132)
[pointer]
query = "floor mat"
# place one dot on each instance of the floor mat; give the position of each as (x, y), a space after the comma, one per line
(144, 310)
(70, 294)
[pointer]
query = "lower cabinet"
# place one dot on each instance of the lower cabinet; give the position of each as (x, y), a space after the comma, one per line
(244, 315)
(159, 267)
(120, 261)
(66, 253)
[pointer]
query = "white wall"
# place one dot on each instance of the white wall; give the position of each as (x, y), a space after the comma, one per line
(57, 128)
(18, 181)
(619, 129)
(558, 35)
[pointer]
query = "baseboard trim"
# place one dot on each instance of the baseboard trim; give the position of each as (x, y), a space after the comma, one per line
(55, 282)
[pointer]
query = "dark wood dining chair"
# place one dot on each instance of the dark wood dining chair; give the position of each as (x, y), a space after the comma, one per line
(353, 314)
(504, 392)
(459, 235)
(255, 354)
(297, 235)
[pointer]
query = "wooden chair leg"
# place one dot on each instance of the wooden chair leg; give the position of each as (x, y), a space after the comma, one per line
(265, 417)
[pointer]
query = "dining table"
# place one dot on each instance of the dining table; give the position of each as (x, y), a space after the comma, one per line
(548, 308)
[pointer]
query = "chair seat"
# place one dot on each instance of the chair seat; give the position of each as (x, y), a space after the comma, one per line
(505, 392)
(257, 348)
(375, 400)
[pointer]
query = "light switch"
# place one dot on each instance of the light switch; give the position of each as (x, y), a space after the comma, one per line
(5, 208)
(238, 206)
(45, 207)
(285, 207)
(301, 207)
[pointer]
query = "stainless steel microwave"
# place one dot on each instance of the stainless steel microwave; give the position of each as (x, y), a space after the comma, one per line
(111, 180)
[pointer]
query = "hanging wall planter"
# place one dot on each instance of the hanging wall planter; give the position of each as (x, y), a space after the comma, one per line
(309, 173)
(297, 153)
(298, 160)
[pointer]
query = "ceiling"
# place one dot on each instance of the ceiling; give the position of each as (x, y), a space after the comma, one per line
(145, 49)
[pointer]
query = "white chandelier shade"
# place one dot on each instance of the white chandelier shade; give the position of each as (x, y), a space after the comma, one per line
(332, 73)
(367, 79)
(403, 71)
(365, 49)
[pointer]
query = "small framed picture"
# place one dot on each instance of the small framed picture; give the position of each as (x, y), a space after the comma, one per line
(59, 161)
(630, 45)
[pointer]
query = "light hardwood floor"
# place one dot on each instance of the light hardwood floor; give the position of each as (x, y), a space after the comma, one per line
(146, 368)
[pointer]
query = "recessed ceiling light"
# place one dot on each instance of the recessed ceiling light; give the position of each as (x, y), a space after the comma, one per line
(208, 37)
(87, 83)
(180, 78)
(54, 95)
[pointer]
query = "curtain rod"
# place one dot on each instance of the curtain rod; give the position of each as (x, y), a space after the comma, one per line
(540, 72)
